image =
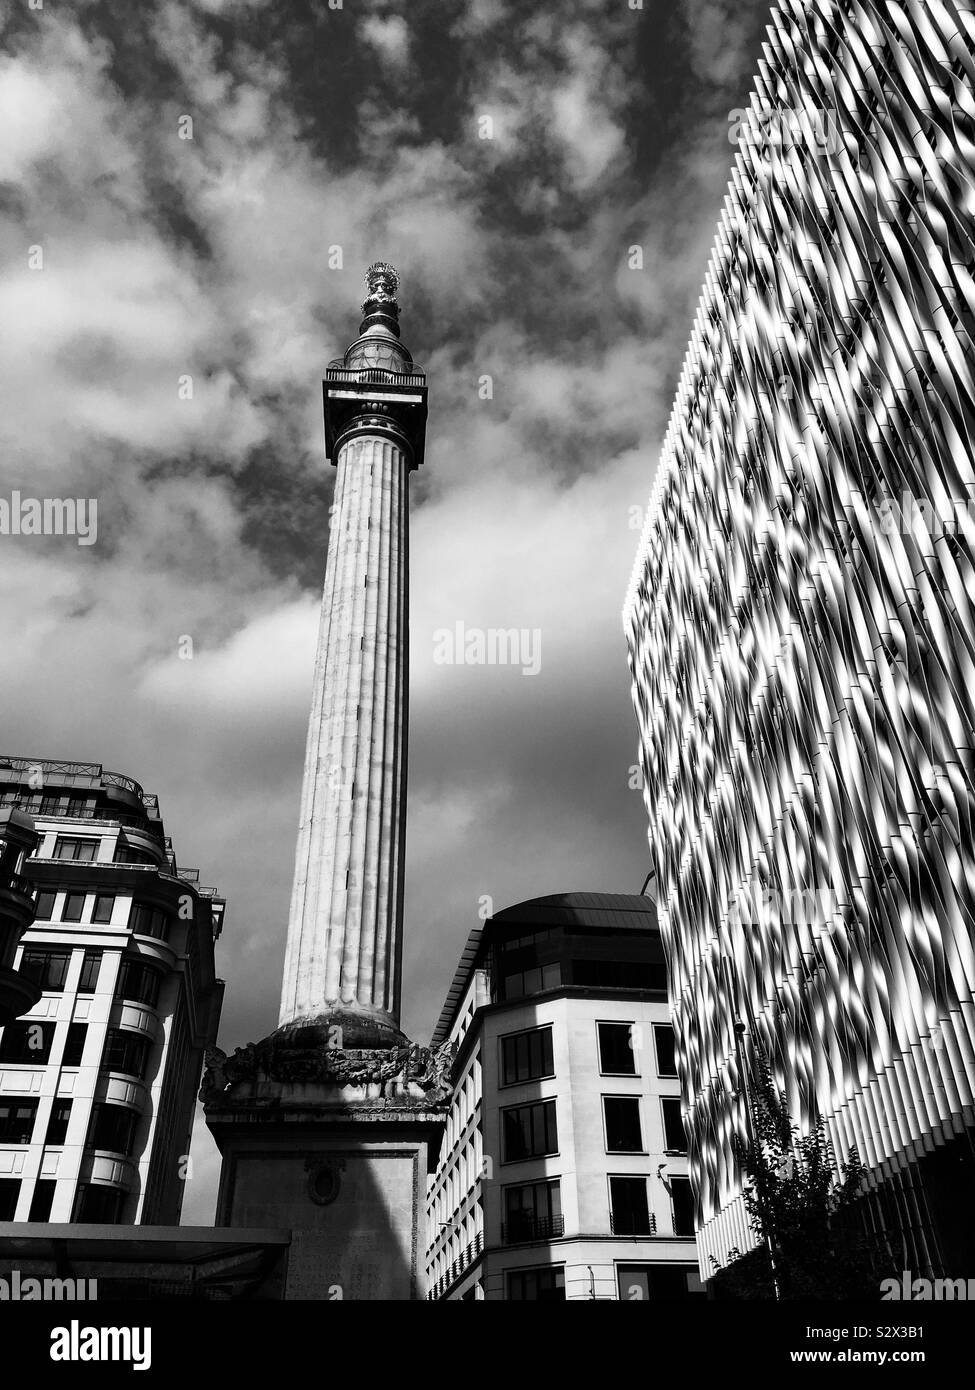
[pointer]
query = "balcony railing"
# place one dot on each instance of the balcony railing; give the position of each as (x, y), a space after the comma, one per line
(378, 376)
(526, 1228)
(629, 1225)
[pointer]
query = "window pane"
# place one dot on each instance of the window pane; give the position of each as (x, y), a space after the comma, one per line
(104, 906)
(17, 1121)
(45, 905)
(526, 1056)
(674, 1139)
(57, 1125)
(623, 1131)
(666, 1053)
(9, 1195)
(42, 1200)
(630, 1212)
(683, 1204)
(89, 972)
(616, 1054)
(26, 1042)
(74, 1045)
(74, 906)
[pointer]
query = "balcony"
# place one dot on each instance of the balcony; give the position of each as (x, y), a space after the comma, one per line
(629, 1224)
(372, 376)
(528, 1228)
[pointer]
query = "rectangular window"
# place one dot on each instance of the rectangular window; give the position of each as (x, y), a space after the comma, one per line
(70, 847)
(99, 1206)
(17, 1121)
(520, 983)
(624, 1132)
(149, 921)
(74, 1046)
(90, 967)
(617, 1056)
(664, 1281)
(537, 1285)
(74, 907)
(683, 1204)
(125, 1052)
(674, 1138)
(42, 1200)
(532, 1212)
(45, 905)
(104, 907)
(629, 1210)
(57, 1125)
(663, 1036)
(46, 968)
(138, 982)
(619, 974)
(112, 1128)
(529, 1131)
(526, 1056)
(9, 1196)
(26, 1042)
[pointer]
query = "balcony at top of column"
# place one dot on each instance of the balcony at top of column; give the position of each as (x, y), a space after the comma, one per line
(376, 388)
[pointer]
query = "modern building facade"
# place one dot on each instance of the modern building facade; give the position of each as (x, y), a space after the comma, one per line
(563, 1169)
(801, 631)
(98, 1080)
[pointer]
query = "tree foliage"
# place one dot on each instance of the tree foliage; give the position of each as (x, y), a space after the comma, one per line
(801, 1206)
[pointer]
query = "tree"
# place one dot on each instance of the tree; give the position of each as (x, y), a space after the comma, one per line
(802, 1208)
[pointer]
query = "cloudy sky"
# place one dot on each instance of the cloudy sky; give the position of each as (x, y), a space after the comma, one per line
(133, 258)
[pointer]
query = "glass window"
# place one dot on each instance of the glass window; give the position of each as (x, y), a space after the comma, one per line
(90, 967)
(522, 982)
(526, 1056)
(104, 906)
(46, 968)
(42, 1200)
(17, 1121)
(617, 1055)
(661, 1281)
(683, 1204)
(74, 907)
(69, 847)
(125, 1052)
(139, 982)
(529, 1131)
(26, 1042)
(45, 905)
(664, 1040)
(532, 1211)
(619, 974)
(9, 1196)
(99, 1206)
(629, 1210)
(57, 1125)
(623, 1130)
(537, 1285)
(149, 921)
(74, 1046)
(112, 1128)
(674, 1138)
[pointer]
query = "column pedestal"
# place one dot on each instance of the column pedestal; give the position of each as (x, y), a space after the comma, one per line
(335, 1144)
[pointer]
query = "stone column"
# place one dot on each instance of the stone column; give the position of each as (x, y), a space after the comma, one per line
(345, 924)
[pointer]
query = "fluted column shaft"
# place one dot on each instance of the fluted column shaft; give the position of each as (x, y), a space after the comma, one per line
(345, 924)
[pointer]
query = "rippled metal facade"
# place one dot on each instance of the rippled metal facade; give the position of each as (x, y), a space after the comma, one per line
(800, 621)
